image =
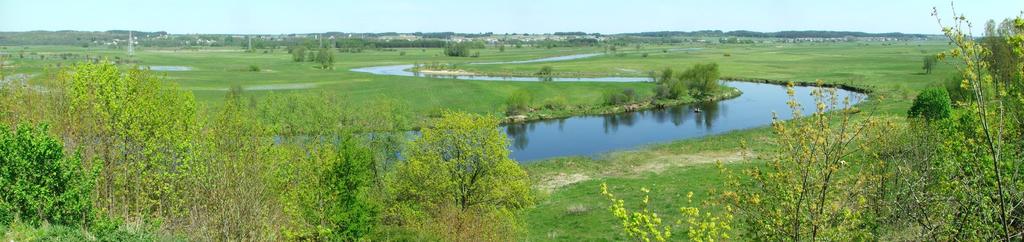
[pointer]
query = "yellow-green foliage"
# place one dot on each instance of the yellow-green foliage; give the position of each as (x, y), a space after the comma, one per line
(460, 169)
(806, 192)
(142, 130)
(645, 225)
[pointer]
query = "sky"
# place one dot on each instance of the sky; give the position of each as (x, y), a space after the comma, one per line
(498, 16)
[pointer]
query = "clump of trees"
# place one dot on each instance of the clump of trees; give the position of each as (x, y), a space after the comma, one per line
(462, 49)
(699, 81)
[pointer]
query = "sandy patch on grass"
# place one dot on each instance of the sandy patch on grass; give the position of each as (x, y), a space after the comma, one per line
(665, 161)
(657, 162)
(552, 183)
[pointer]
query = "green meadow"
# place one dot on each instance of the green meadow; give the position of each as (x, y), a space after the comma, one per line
(569, 204)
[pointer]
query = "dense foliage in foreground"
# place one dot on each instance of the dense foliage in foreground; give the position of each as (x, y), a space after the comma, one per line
(943, 174)
(129, 152)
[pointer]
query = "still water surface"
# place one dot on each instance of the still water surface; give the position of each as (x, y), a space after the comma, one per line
(595, 134)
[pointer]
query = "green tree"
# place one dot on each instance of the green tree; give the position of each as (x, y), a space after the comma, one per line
(298, 53)
(929, 64)
(145, 133)
(457, 50)
(931, 104)
(39, 183)
(325, 58)
(461, 167)
(702, 79)
(464, 161)
(329, 190)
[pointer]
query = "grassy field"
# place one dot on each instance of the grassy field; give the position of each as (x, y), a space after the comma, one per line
(571, 207)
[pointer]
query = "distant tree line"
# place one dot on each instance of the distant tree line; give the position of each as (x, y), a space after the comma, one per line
(780, 34)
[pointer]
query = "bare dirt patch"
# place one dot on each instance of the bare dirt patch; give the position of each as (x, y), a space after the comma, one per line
(655, 161)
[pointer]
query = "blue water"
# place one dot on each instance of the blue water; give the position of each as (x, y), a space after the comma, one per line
(596, 134)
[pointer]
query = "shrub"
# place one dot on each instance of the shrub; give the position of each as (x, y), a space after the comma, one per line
(456, 50)
(254, 68)
(39, 183)
(518, 103)
(931, 104)
(556, 103)
(545, 71)
(619, 97)
(298, 53)
(662, 91)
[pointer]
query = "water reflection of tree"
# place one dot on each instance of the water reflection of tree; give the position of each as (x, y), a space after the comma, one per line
(707, 115)
(517, 132)
(613, 121)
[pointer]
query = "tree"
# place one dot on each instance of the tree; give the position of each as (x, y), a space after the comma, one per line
(298, 54)
(39, 183)
(325, 58)
(144, 132)
(666, 75)
(459, 177)
(331, 190)
(457, 50)
(986, 197)
(463, 161)
(929, 64)
(701, 78)
(931, 104)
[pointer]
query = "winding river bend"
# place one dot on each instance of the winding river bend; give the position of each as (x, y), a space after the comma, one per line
(596, 134)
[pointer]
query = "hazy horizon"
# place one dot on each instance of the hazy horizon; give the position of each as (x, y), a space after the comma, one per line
(499, 17)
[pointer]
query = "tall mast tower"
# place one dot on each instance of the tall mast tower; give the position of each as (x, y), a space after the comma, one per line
(131, 44)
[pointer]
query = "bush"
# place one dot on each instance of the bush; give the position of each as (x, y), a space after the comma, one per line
(662, 91)
(545, 71)
(518, 103)
(39, 183)
(298, 53)
(556, 103)
(931, 104)
(254, 68)
(625, 96)
(456, 50)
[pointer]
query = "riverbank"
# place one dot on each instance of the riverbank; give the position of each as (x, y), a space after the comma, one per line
(547, 113)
